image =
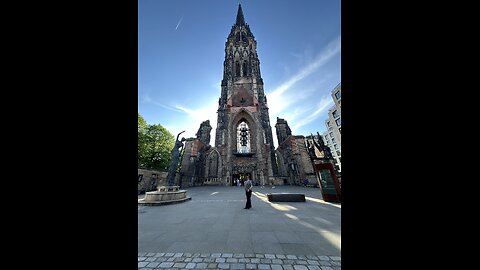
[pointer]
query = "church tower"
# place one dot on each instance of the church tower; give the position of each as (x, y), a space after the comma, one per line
(243, 137)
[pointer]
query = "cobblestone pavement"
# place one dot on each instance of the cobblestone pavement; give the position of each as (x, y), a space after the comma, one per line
(236, 261)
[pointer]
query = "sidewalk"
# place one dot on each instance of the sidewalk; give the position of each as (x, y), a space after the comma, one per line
(214, 231)
(236, 261)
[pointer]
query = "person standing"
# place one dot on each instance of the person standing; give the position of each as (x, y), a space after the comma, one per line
(248, 192)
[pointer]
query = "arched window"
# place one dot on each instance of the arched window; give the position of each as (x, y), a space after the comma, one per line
(243, 138)
(213, 165)
(237, 69)
(245, 69)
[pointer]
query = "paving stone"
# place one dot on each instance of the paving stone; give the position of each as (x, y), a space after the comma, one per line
(153, 264)
(212, 265)
(337, 268)
(216, 255)
(204, 255)
(143, 264)
(196, 260)
(243, 260)
(259, 256)
(159, 255)
(209, 260)
(161, 259)
(169, 254)
(142, 254)
(227, 255)
(301, 257)
(324, 258)
(265, 261)
(255, 260)
(312, 257)
(288, 261)
(264, 266)
(270, 256)
(312, 262)
(201, 266)
(178, 255)
(301, 262)
(232, 260)
(277, 261)
(166, 265)
(179, 265)
(276, 267)
(250, 266)
(292, 257)
(170, 259)
(280, 256)
(224, 265)
(335, 258)
(150, 254)
(141, 259)
(325, 263)
(190, 265)
(220, 260)
(314, 267)
(188, 255)
(249, 255)
(300, 267)
(238, 255)
(150, 259)
(195, 255)
(287, 267)
(237, 266)
(336, 263)
(326, 268)
(187, 260)
(178, 259)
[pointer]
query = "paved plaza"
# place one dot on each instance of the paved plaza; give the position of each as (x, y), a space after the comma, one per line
(212, 230)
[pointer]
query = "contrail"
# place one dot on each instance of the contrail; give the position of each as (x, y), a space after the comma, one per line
(179, 22)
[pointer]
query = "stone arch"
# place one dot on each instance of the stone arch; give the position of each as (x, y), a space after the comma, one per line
(213, 164)
(243, 115)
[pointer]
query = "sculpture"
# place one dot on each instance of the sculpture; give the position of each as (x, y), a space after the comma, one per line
(175, 157)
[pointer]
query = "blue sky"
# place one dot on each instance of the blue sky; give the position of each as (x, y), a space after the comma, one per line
(181, 49)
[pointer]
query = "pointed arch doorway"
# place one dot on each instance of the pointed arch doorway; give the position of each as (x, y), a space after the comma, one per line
(242, 177)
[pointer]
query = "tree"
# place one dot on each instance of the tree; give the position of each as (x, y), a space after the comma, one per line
(142, 142)
(154, 145)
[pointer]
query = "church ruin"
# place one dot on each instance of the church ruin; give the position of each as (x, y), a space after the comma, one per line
(243, 140)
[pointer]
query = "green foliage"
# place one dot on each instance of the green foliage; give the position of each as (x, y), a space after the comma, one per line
(154, 145)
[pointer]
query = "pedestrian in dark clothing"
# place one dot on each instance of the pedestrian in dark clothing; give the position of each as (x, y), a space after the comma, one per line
(248, 193)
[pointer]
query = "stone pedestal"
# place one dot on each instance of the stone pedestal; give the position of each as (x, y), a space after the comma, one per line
(164, 195)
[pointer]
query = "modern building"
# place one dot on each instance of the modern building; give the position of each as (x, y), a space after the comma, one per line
(333, 136)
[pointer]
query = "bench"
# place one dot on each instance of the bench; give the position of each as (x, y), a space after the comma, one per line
(286, 197)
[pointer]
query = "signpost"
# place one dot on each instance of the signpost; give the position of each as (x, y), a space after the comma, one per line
(328, 182)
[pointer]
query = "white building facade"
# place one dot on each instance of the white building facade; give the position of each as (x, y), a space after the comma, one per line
(332, 137)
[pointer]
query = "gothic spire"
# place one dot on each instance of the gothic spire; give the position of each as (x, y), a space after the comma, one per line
(240, 18)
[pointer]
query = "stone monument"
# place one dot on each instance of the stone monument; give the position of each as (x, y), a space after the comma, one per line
(172, 171)
(168, 194)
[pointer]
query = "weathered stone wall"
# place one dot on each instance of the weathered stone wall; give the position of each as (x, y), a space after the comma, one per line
(192, 172)
(148, 180)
